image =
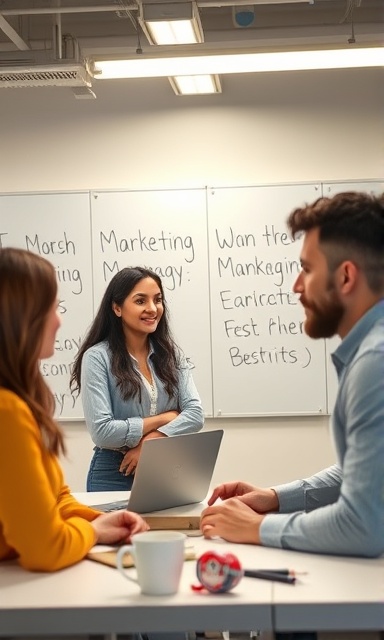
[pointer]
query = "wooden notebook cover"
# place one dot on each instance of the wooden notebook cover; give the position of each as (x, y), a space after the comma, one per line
(178, 523)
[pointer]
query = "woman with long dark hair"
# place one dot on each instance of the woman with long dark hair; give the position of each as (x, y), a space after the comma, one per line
(41, 524)
(135, 384)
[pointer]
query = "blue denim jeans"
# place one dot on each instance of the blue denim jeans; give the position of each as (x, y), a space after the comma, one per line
(104, 474)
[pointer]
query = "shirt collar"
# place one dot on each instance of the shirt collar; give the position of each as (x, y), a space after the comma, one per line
(150, 352)
(349, 345)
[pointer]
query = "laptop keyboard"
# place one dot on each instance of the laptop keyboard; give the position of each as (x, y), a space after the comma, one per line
(106, 507)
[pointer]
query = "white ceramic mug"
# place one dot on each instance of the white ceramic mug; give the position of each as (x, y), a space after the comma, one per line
(158, 558)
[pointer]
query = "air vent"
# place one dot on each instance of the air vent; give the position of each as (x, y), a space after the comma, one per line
(57, 75)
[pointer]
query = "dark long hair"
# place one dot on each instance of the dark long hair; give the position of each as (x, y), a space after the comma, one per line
(109, 327)
(28, 289)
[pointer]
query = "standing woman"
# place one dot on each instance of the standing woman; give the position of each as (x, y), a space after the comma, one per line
(41, 524)
(134, 382)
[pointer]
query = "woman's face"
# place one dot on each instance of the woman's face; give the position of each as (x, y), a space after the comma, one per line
(52, 324)
(142, 309)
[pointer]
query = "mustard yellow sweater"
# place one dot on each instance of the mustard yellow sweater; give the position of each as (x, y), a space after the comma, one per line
(40, 522)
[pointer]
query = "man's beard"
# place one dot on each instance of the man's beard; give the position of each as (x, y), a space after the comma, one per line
(325, 317)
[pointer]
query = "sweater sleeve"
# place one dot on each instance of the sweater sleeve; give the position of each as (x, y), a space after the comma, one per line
(41, 522)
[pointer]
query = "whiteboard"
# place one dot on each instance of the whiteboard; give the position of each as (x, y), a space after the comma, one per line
(243, 334)
(167, 232)
(263, 363)
(330, 189)
(57, 226)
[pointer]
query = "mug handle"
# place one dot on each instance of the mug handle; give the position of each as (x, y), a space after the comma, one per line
(127, 548)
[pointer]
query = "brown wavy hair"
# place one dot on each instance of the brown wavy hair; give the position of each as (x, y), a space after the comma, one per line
(351, 227)
(28, 289)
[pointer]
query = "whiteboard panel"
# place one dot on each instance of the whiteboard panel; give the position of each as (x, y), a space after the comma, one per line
(330, 189)
(57, 226)
(167, 232)
(263, 363)
(226, 261)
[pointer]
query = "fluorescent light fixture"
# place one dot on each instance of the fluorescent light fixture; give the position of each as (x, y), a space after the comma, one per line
(171, 23)
(143, 66)
(192, 85)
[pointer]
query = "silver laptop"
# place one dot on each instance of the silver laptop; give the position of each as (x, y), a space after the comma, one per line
(171, 472)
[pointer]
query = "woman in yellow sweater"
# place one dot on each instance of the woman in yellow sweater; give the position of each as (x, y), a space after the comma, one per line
(40, 522)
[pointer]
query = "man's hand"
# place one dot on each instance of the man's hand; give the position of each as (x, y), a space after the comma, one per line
(232, 520)
(118, 526)
(260, 500)
(230, 490)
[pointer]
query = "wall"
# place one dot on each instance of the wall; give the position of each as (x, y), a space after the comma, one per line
(267, 128)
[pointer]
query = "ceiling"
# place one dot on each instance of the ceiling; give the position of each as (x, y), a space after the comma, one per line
(93, 29)
(29, 23)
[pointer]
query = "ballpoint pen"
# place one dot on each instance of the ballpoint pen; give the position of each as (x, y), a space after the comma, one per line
(276, 575)
(283, 572)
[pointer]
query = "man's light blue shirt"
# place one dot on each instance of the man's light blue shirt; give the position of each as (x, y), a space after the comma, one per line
(341, 509)
(115, 423)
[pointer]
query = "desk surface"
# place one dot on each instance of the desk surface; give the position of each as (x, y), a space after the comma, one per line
(92, 598)
(334, 594)
(337, 593)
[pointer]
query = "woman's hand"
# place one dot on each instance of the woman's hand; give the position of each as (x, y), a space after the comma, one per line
(130, 460)
(118, 526)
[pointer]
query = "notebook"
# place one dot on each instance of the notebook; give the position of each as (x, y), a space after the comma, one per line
(171, 472)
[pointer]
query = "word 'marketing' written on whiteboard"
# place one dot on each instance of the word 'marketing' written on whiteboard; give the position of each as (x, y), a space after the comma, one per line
(165, 241)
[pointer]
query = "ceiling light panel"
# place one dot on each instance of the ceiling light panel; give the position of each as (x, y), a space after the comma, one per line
(195, 85)
(171, 23)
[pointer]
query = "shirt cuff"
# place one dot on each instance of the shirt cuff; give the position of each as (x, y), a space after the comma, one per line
(135, 432)
(271, 529)
(291, 496)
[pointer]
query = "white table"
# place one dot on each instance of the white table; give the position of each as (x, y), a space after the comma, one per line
(91, 598)
(339, 594)
(334, 594)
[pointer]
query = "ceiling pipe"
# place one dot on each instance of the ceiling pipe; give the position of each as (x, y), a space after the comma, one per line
(57, 37)
(135, 5)
(61, 10)
(13, 35)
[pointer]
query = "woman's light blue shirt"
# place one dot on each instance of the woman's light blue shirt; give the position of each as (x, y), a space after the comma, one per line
(344, 504)
(115, 423)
